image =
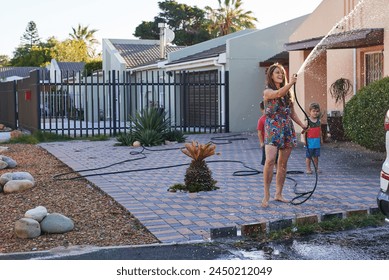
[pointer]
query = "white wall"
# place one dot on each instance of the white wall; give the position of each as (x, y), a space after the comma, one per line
(247, 79)
(112, 60)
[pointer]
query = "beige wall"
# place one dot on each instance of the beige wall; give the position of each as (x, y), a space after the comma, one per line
(323, 67)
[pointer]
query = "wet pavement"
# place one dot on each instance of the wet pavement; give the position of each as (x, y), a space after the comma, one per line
(348, 183)
(358, 244)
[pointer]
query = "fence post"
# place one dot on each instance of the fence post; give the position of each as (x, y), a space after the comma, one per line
(227, 101)
(113, 103)
(184, 98)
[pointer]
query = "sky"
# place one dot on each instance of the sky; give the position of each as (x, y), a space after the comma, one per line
(117, 19)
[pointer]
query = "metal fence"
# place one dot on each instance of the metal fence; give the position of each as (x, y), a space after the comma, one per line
(74, 104)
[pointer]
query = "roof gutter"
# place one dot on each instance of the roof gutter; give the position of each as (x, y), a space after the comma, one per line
(212, 61)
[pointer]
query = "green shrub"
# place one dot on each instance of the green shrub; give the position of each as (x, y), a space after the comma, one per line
(175, 135)
(363, 118)
(150, 128)
(38, 137)
(151, 119)
(149, 137)
(126, 139)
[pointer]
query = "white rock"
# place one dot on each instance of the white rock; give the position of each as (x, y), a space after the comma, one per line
(3, 164)
(11, 163)
(136, 144)
(3, 149)
(37, 213)
(27, 228)
(21, 175)
(17, 186)
(5, 136)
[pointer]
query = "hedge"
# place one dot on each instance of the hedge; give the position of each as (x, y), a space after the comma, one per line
(363, 118)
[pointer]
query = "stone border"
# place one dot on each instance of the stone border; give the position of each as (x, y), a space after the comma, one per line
(265, 227)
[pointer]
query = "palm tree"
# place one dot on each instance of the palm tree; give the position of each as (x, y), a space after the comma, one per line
(82, 33)
(229, 18)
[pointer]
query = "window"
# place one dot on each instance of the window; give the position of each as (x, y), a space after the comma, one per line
(374, 67)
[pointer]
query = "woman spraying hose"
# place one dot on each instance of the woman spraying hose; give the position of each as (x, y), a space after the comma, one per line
(279, 131)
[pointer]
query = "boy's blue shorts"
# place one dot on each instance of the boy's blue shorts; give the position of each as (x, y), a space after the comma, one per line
(312, 152)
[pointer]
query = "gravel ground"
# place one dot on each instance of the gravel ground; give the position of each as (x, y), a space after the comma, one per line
(98, 219)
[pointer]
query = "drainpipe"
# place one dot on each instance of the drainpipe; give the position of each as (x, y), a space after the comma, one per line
(355, 71)
(225, 110)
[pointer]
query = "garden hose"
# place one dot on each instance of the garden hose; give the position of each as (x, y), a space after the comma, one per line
(219, 140)
(305, 195)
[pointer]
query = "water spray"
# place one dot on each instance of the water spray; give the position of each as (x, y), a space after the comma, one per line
(336, 26)
(319, 46)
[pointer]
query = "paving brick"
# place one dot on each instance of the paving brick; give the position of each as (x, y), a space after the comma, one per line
(307, 220)
(280, 224)
(330, 216)
(351, 213)
(223, 232)
(254, 230)
(344, 185)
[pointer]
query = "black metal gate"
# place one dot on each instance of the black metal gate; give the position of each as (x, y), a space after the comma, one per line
(74, 104)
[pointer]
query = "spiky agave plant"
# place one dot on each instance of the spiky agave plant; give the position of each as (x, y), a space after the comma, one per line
(198, 176)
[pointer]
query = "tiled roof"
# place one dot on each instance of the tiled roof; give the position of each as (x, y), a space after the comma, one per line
(6, 72)
(213, 52)
(282, 57)
(71, 66)
(141, 54)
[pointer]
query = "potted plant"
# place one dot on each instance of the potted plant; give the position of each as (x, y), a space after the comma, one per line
(339, 90)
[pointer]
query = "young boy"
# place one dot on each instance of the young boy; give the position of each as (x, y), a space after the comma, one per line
(313, 137)
(261, 133)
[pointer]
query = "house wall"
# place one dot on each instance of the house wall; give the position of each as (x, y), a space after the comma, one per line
(330, 17)
(112, 60)
(247, 79)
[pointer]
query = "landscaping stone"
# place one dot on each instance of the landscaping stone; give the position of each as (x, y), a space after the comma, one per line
(3, 149)
(38, 213)
(27, 228)
(21, 175)
(3, 164)
(17, 186)
(11, 163)
(56, 223)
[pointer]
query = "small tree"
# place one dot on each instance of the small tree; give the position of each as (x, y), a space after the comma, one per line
(30, 37)
(198, 176)
(340, 89)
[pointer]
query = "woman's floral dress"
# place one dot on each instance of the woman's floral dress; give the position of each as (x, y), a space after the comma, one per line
(279, 129)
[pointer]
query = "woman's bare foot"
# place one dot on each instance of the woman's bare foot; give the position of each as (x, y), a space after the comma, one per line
(281, 199)
(265, 203)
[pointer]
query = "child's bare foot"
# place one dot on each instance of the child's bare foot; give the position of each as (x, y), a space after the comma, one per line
(281, 199)
(265, 203)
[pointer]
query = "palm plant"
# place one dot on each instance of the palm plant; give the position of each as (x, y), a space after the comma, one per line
(84, 34)
(229, 18)
(198, 176)
(149, 126)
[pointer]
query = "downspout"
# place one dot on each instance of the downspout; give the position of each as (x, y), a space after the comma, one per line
(223, 93)
(354, 71)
